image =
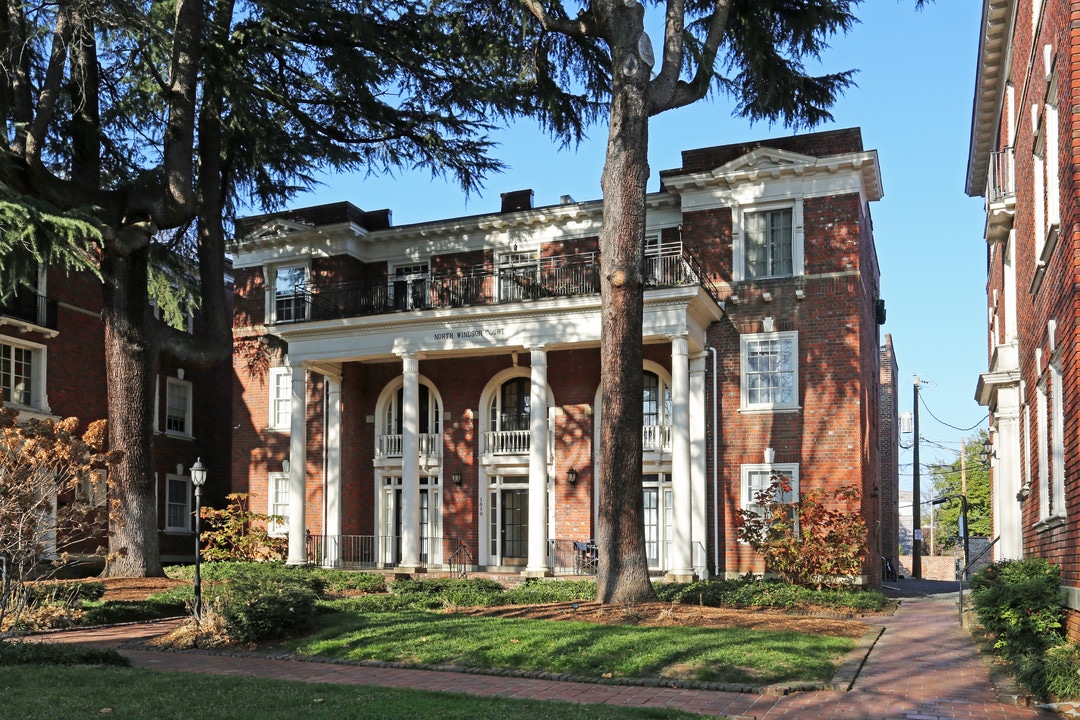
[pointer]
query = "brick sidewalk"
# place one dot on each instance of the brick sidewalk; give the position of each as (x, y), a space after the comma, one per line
(924, 667)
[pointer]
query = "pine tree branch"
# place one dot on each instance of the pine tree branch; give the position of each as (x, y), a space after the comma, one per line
(582, 27)
(666, 91)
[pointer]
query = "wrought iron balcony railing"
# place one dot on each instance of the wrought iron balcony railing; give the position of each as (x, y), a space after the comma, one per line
(566, 276)
(32, 308)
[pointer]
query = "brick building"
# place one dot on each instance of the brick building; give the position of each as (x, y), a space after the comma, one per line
(889, 449)
(52, 366)
(427, 395)
(1023, 161)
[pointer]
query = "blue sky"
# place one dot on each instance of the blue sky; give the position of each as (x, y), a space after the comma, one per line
(913, 103)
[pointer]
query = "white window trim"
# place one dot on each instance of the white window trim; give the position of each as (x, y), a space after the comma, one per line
(790, 470)
(1042, 428)
(738, 266)
(188, 420)
(270, 280)
(39, 401)
(188, 505)
(272, 420)
(1057, 440)
(744, 342)
(275, 529)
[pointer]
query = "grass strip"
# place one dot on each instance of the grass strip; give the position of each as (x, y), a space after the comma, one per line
(62, 693)
(723, 655)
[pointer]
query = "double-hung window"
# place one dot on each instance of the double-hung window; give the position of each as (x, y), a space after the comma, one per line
(769, 377)
(758, 478)
(519, 276)
(177, 407)
(280, 398)
(769, 244)
(278, 505)
(178, 517)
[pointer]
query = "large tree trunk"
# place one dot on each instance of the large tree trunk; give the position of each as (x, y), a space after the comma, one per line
(130, 362)
(624, 571)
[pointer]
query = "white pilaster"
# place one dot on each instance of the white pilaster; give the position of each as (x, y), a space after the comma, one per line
(297, 468)
(680, 564)
(1007, 520)
(410, 463)
(699, 532)
(332, 491)
(538, 465)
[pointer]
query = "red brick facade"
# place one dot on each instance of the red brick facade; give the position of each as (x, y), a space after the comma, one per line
(1023, 161)
(467, 332)
(68, 371)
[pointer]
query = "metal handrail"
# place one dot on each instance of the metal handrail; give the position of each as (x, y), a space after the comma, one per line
(551, 277)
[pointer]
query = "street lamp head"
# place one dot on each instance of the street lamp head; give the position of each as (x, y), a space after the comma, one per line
(198, 473)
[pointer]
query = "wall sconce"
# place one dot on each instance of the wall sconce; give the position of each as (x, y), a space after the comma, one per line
(571, 476)
(456, 477)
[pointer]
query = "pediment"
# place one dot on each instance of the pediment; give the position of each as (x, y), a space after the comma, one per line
(764, 160)
(279, 228)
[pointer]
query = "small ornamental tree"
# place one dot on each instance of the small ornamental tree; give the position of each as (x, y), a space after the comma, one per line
(237, 533)
(817, 539)
(50, 477)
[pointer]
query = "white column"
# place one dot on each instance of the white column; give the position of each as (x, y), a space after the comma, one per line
(297, 468)
(538, 465)
(699, 532)
(410, 464)
(332, 489)
(680, 564)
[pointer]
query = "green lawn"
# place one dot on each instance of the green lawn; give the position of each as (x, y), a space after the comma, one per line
(579, 648)
(67, 693)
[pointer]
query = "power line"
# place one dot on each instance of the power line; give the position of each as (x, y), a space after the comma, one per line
(922, 399)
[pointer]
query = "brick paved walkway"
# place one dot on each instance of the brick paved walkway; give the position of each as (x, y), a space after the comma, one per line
(924, 667)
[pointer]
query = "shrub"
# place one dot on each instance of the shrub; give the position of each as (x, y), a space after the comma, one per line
(336, 581)
(549, 591)
(750, 592)
(32, 653)
(237, 533)
(1062, 672)
(817, 539)
(266, 601)
(1019, 603)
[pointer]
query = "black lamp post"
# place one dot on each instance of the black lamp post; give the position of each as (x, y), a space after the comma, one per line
(198, 478)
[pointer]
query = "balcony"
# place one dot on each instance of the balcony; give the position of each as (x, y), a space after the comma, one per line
(656, 438)
(30, 309)
(429, 445)
(1000, 195)
(556, 277)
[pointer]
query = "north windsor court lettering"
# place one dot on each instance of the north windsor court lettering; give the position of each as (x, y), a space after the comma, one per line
(473, 334)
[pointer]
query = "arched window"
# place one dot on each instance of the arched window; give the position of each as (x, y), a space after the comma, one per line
(510, 406)
(430, 422)
(656, 400)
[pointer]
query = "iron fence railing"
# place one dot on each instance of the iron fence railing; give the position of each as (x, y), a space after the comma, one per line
(572, 557)
(32, 308)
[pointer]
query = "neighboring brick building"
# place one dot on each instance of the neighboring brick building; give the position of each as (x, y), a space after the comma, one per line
(432, 393)
(52, 366)
(889, 447)
(1023, 160)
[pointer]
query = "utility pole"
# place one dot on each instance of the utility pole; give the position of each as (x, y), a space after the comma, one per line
(916, 494)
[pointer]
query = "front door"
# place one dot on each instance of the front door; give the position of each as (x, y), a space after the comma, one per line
(509, 526)
(430, 524)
